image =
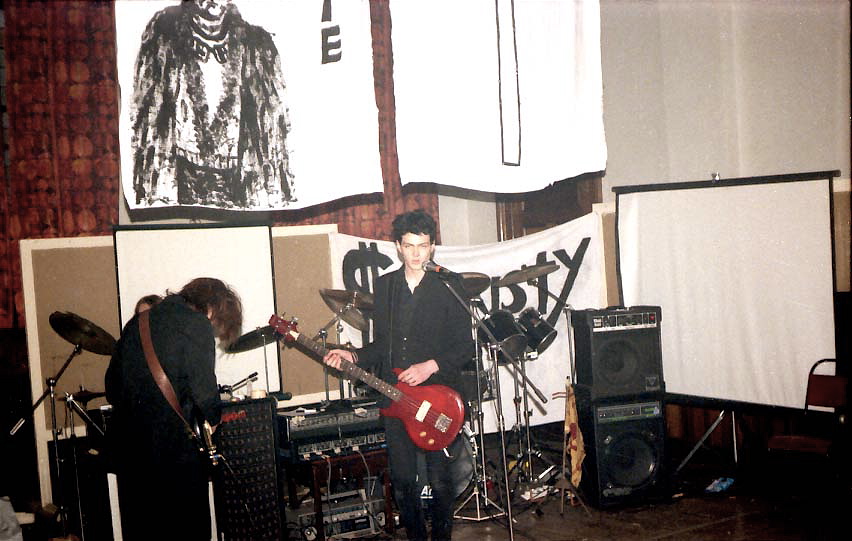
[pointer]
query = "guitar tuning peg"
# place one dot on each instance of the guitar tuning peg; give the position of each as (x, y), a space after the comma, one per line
(294, 319)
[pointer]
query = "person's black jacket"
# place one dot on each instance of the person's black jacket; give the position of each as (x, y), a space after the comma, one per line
(146, 431)
(440, 330)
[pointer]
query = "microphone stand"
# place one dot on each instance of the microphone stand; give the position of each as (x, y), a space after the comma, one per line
(500, 420)
(241, 383)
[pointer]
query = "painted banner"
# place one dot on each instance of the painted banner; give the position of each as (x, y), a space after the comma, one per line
(497, 95)
(577, 250)
(246, 104)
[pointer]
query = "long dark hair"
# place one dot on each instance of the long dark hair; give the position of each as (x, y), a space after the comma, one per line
(214, 295)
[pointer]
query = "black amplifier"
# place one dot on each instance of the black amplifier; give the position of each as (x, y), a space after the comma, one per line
(346, 515)
(336, 428)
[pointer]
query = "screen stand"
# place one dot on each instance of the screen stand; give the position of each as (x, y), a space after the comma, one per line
(707, 435)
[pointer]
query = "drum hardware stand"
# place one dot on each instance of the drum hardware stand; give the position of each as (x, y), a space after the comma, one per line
(527, 480)
(322, 336)
(499, 410)
(564, 483)
(479, 493)
(72, 406)
(51, 392)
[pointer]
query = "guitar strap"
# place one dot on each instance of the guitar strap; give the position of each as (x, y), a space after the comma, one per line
(156, 368)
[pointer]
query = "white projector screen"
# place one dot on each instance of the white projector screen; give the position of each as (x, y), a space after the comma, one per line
(742, 271)
(154, 260)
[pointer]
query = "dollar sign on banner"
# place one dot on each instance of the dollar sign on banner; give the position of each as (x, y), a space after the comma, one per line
(361, 268)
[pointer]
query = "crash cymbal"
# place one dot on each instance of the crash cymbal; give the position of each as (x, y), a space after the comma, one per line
(475, 282)
(254, 339)
(348, 305)
(84, 396)
(526, 274)
(82, 332)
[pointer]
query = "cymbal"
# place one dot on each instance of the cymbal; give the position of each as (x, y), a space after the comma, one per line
(82, 332)
(84, 396)
(348, 305)
(475, 282)
(343, 297)
(253, 339)
(526, 274)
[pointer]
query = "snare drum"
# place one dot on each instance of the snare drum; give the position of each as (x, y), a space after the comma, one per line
(539, 332)
(509, 335)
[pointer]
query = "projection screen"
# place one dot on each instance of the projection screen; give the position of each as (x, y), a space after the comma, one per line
(742, 271)
(156, 259)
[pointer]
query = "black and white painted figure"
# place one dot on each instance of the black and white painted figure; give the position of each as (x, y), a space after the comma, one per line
(209, 114)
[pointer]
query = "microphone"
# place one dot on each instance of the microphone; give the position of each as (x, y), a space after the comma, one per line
(443, 272)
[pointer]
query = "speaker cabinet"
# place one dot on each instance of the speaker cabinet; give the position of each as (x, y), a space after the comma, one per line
(248, 485)
(625, 451)
(617, 351)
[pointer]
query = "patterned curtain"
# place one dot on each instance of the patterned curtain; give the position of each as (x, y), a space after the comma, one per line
(62, 96)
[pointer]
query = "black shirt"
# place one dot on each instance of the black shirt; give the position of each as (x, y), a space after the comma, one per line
(410, 328)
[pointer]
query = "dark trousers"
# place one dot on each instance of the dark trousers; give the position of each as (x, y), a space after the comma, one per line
(403, 460)
(168, 504)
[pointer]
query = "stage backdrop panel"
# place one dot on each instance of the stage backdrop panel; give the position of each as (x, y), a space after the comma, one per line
(499, 96)
(302, 269)
(159, 259)
(578, 282)
(743, 273)
(74, 275)
(78, 275)
(307, 119)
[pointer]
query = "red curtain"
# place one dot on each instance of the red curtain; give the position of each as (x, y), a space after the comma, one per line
(63, 174)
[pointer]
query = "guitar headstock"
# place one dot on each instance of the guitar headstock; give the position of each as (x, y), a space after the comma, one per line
(285, 327)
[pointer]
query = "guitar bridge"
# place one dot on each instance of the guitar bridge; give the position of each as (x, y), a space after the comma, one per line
(442, 424)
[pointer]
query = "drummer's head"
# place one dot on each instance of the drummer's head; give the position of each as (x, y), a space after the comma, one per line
(146, 302)
(416, 222)
(220, 303)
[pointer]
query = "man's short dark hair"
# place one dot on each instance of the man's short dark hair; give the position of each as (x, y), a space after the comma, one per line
(417, 222)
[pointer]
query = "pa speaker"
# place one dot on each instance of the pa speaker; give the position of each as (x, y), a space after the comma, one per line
(248, 484)
(625, 452)
(617, 351)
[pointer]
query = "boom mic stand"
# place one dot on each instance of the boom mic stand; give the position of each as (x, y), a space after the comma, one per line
(499, 410)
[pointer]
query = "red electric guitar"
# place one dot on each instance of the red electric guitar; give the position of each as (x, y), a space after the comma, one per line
(432, 414)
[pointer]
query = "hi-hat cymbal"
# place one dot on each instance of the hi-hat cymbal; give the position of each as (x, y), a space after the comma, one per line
(83, 396)
(526, 274)
(82, 332)
(253, 339)
(475, 282)
(348, 305)
(342, 297)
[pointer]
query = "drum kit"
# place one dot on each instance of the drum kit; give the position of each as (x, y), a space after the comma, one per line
(84, 336)
(510, 342)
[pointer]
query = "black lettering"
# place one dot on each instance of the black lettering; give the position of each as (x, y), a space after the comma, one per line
(331, 51)
(573, 264)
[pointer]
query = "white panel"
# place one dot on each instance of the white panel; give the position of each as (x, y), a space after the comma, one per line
(156, 260)
(744, 278)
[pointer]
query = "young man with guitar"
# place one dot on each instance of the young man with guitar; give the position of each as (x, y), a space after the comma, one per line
(161, 378)
(421, 337)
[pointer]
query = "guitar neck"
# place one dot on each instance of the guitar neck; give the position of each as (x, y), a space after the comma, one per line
(351, 369)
